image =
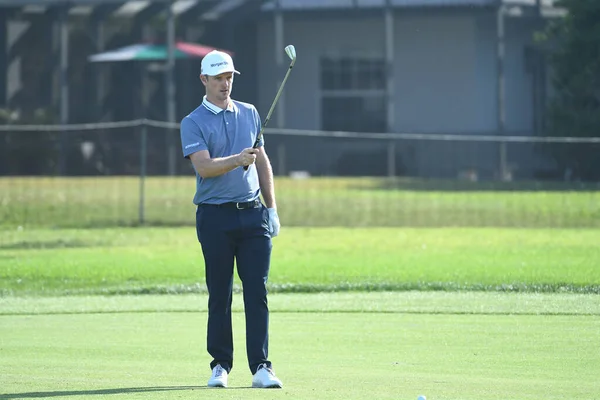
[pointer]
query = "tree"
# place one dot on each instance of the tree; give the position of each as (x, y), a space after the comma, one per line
(27, 152)
(574, 109)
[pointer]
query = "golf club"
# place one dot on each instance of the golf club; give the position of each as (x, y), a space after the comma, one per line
(290, 50)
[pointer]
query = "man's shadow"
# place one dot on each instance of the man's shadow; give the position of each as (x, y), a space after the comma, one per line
(58, 393)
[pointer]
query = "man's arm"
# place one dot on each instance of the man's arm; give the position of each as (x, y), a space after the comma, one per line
(195, 148)
(265, 178)
(211, 167)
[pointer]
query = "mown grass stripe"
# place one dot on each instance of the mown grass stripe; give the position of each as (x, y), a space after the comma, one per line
(545, 314)
(334, 288)
(415, 302)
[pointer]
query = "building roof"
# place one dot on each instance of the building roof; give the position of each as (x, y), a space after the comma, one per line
(288, 4)
(337, 4)
(215, 9)
(333, 4)
(204, 9)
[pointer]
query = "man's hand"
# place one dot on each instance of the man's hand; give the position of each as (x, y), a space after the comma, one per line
(274, 224)
(247, 156)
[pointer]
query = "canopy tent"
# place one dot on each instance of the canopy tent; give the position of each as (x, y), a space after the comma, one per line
(152, 52)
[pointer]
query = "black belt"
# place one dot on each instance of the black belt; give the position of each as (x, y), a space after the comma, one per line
(240, 205)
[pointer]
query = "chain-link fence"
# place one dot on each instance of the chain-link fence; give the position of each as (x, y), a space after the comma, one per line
(115, 174)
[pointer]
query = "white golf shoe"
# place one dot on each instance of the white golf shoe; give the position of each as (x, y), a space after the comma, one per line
(218, 377)
(265, 378)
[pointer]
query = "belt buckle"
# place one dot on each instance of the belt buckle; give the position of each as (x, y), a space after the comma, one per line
(237, 205)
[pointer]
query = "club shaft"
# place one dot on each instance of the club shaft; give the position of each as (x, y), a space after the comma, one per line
(259, 136)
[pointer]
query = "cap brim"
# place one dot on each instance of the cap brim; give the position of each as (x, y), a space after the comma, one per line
(224, 72)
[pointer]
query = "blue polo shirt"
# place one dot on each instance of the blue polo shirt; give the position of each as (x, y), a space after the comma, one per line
(223, 133)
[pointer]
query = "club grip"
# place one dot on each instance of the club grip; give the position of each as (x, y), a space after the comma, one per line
(255, 145)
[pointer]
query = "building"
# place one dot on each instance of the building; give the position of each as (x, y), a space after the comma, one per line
(447, 76)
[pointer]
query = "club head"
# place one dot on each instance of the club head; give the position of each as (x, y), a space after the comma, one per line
(290, 50)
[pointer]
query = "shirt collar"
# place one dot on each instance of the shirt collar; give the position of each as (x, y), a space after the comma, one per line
(215, 109)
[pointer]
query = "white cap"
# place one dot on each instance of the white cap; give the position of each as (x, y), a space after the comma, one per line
(217, 62)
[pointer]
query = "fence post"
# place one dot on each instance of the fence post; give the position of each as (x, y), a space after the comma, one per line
(281, 159)
(171, 88)
(143, 163)
(503, 165)
(501, 89)
(391, 159)
(64, 89)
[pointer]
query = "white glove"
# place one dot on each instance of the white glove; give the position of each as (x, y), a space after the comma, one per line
(274, 224)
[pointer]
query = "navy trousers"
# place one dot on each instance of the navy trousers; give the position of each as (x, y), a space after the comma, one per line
(227, 233)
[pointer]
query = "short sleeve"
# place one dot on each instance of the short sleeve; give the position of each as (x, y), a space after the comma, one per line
(258, 122)
(192, 140)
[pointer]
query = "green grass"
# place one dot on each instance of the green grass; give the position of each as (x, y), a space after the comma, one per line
(354, 202)
(320, 349)
(432, 291)
(169, 260)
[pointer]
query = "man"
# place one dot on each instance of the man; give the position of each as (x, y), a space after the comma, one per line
(231, 221)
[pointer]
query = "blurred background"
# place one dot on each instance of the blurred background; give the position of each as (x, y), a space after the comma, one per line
(387, 96)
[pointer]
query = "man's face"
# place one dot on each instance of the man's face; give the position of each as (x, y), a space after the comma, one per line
(218, 87)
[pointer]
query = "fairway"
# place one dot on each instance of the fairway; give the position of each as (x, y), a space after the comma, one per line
(385, 348)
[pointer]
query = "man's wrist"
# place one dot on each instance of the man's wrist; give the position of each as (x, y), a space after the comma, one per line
(236, 161)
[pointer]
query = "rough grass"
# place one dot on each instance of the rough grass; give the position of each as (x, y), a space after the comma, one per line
(352, 202)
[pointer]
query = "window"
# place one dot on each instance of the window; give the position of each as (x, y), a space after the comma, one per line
(353, 94)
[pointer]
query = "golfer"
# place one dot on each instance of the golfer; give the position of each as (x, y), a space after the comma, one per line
(231, 221)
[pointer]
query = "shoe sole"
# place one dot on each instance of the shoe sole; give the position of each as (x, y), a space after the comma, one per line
(273, 386)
